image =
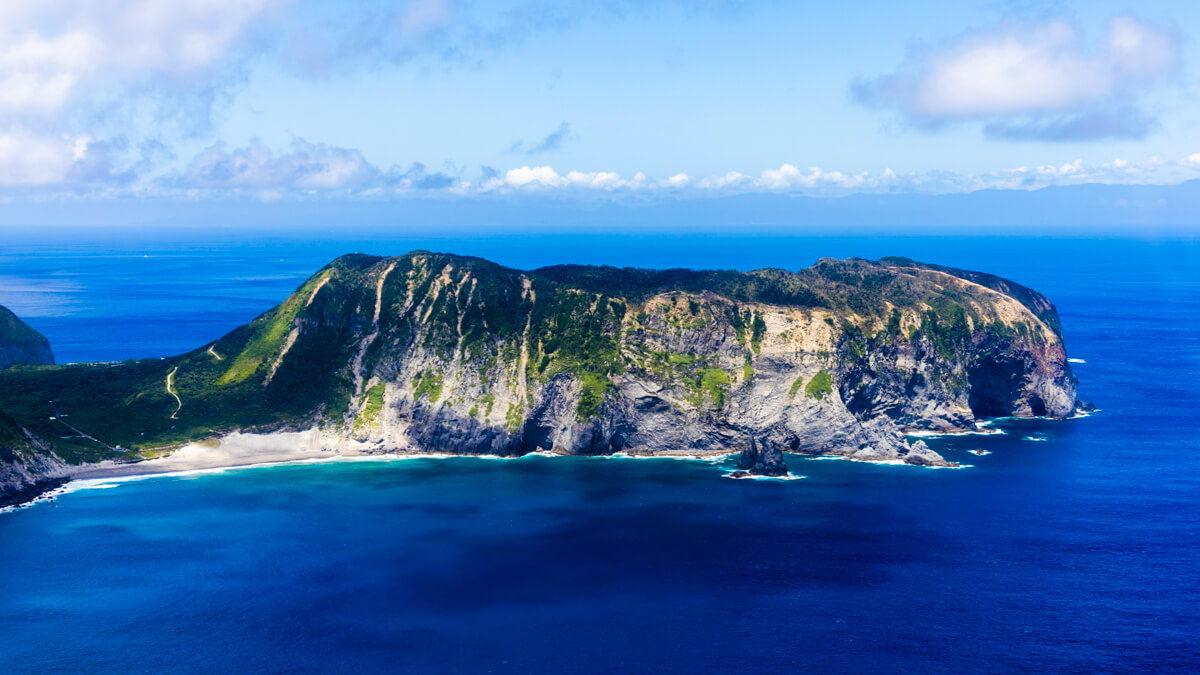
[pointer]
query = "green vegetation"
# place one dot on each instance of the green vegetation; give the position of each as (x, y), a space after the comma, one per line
(739, 324)
(946, 326)
(855, 342)
(893, 324)
(681, 359)
(820, 386)
(747, 370)
(1032, 300)
(270, 333)
(758, 329)
(372, 406)
(427, 383)
(796, 384)
(513, 417)
(594, 388)
(374, 401)
(711, 384)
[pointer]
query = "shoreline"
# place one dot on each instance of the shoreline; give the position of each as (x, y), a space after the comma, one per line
(242, 450)
(234, 450)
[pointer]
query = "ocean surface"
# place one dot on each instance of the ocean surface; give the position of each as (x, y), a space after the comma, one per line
(1073, 546)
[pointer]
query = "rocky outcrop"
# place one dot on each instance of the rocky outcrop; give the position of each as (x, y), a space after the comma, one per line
(766, 460)
(919, 454)
(28, 465)
(21, 344)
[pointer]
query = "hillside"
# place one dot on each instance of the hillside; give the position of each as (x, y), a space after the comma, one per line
(21, 344)
(435, 352)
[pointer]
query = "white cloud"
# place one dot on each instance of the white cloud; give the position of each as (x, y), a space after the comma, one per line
(1010, 72)
(32, 160)
(1063, 170)
(51, 51)
(540, 177)
(545, 177)
(678, 180)
(66, 65)
(1034, 74)
(731, 179)
(80, 164)
(1137, 49)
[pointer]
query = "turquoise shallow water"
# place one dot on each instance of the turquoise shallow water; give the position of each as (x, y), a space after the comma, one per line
(1077, 553)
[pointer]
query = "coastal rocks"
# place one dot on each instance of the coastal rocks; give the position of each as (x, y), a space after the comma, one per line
(21, 344)
(919, 454)
(1022, 380)
(766, 460)
(28, 466)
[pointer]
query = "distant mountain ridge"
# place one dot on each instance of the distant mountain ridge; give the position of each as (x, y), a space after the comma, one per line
(1122, 208)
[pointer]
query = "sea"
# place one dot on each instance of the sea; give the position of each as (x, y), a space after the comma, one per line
(1071, 546)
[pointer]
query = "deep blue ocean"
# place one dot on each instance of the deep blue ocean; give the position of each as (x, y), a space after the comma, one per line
(1077, 552)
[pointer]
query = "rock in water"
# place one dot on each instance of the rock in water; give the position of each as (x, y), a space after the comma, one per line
(21, 344)
(920, 455)
(764, 461)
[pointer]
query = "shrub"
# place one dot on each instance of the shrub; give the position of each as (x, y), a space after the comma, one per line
(820, 386)
(595, 386)
(796, 384)
(712, 383)
(427, 384)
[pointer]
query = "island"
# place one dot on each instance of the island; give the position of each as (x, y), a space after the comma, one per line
(444, 354)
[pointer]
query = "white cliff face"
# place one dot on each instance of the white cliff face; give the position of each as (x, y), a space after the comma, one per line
(696, 372)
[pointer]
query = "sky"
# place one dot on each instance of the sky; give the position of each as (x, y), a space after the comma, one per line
(296, 101)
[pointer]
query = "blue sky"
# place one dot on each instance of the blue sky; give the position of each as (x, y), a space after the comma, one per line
(294, 100)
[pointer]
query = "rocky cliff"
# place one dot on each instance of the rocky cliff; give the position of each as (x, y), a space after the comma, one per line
(28, 465)
(439, 353)
(21, 344)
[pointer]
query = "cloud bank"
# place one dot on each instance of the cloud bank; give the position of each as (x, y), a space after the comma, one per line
(1033, 81)
(307, 170)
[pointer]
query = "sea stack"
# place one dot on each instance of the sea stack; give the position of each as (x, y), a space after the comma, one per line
(764, 460)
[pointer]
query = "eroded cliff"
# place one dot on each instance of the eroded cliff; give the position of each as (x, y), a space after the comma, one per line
(440, 353)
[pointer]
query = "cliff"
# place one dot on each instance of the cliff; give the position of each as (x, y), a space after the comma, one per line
(21, 344)
(430, 352)
(28, 465)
